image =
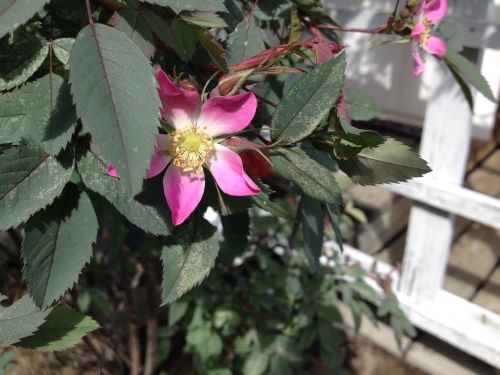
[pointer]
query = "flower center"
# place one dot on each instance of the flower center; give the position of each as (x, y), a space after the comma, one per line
(424, 37)
(190, 148)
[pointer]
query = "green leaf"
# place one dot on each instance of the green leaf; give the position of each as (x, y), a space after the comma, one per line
(205, 342)
(307, 103)
(213, 47)
(58, 243)
(176, 311)
(14, 13)
(256, 363)
(50, 116)
(132, 23)
(187, 263)
(115, 93)
(12, 117)
(463, 86)
(29, 180)
(20, 61)
(62, 50)
(314, 179)
(143, 214)
(469, 73)
(359, 105)
(334, 215)
(272, 10)
(19, 320)
(245, 41)
(263, 201)
(203, 19)
(63, 329)
(193, 5)
(185, 40)
(390, 162)
(354, 137)
(312, 230)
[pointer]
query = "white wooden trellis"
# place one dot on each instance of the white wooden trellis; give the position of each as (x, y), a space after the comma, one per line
(447, 133)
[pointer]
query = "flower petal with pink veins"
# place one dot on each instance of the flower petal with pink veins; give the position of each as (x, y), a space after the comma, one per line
(418, 63)
(436, 46)
(160, 159)
(179, 107)
(227, 168)
(183, 192)
(227, 114)
(435, 10)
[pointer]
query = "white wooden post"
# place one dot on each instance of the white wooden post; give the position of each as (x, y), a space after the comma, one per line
(445, 145)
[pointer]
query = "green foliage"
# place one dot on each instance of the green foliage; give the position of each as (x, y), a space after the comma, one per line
(263, 201)
(6, 358)
(12, 117)
(122, 116)
(144, 212)
(203, 19)
(312, 229)
(20, 320)
(245, 41)
(62, 50)
(14, 13)
(132, 23)
(187, 262)
(311, 177)
(63, 329)
(29, 180)
(50, 116)
(256, 363)
(213, 47)
(308, 102)
(468, 72)
(389, 162)
(57, 245)
(20, 61)
(185, 39)
(192, 5)
(359, 105)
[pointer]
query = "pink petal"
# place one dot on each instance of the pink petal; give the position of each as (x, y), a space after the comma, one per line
(179, 107)
(418, 63)
(436, 46)
(160, 159)
(418, 30)
(227, 168)
(111, 171)
(227, 114)
(183, 192)
(435, 10)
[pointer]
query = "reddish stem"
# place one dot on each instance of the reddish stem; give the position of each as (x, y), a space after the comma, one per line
(89, 12)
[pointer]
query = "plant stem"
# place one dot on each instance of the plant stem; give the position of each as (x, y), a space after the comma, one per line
(89, 12)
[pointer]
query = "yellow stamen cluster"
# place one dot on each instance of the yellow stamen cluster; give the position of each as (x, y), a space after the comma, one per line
(190, 148)
(424, 37)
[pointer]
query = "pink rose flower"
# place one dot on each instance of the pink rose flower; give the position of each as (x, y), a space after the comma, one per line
(429, 13)
(195, 143)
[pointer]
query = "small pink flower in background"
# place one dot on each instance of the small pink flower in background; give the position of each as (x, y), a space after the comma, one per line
(111, 171)
(429, 13)
(195, 143)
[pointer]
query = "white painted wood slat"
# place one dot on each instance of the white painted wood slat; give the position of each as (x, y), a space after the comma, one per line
(454, 199)
(454, 320)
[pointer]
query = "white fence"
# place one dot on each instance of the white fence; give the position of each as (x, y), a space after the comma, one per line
(448, 127)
